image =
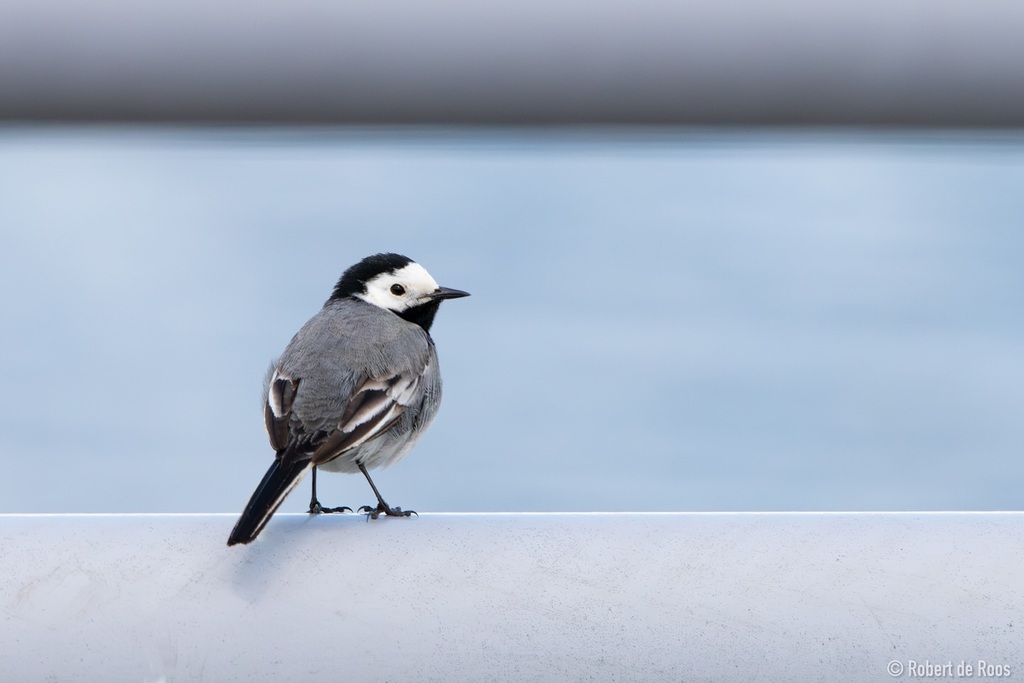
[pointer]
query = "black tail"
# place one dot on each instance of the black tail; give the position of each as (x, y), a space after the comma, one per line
(277, 483)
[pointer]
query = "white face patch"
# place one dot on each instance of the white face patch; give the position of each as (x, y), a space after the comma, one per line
(401, 290)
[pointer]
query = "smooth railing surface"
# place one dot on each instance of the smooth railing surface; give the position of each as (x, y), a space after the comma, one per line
(511, 597)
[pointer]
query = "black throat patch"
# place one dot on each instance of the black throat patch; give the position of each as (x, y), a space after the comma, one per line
(422, 315)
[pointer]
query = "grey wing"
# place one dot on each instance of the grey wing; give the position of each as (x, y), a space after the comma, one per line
(318, 406)
(375, 406)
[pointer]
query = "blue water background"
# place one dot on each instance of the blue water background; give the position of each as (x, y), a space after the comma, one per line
(660, 320)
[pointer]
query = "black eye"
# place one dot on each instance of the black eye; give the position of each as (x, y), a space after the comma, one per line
(397, 290)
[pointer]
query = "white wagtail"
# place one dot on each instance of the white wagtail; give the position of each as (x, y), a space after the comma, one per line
(355, 388)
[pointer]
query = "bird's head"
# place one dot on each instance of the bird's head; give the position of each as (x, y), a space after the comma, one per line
(398, 284)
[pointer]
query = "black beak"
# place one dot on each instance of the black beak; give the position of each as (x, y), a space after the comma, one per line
(447, 293)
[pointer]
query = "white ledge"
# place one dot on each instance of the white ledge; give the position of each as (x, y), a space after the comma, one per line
(508, 597)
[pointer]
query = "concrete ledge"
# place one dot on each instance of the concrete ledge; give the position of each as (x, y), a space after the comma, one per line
(509, 597)
(861, 62)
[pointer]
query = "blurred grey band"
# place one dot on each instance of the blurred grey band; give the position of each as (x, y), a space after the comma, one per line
(751, 62)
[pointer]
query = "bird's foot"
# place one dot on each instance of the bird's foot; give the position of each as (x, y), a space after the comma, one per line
(384, 509)
(315, 508)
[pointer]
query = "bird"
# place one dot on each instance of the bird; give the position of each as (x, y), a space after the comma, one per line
(355, 388)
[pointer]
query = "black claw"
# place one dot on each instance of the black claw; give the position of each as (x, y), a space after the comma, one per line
(386, 510)
(382, 507)
(315, 508)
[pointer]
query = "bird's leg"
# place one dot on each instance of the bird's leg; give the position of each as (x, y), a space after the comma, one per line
(315, 508)
(382, 507)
